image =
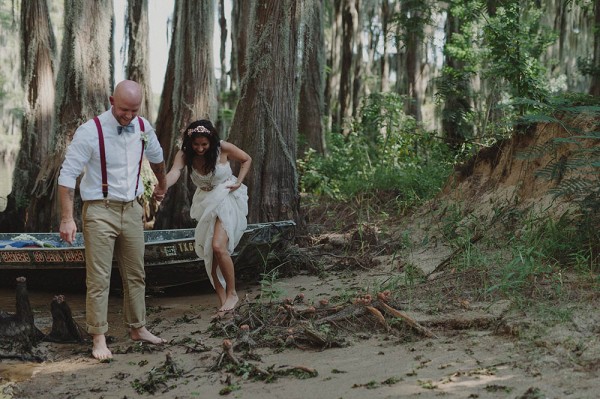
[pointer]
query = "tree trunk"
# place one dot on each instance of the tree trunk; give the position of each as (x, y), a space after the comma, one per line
(595, 85)
(138, 59)
(18, 330)
(332, 84)
(265, 122)
(37, 71)
(193, 97)
(240, 28)
(83, 88)
(226, 100)
(223, 46)
(385, 64)
(311, 102)
(349, 27)
(358, 67)
(165, 125)
(457, 100)
(64, 327)
(413, 37)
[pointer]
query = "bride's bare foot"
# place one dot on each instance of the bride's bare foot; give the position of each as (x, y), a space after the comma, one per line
(142, 334)
(100, 351)
(220, 294)
(230, 303)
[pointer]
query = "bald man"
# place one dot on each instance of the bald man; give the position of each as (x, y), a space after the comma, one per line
(108, 149)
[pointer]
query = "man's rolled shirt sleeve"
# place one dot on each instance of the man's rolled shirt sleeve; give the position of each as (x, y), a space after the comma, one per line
(77, 156)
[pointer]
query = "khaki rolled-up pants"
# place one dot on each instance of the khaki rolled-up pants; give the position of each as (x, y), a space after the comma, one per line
(114, 228)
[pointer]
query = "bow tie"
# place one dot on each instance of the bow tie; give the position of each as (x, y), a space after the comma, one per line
(127, 129)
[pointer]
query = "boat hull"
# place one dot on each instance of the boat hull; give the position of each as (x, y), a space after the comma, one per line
(169, 257)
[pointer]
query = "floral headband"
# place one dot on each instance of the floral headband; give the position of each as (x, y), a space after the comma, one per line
(199, 129)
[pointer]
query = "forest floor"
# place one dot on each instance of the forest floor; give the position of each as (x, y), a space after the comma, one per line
(319, 329)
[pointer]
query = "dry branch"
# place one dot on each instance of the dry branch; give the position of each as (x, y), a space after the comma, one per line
(411, 322)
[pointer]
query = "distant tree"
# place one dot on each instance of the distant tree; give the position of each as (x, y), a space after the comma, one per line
(412, 18)
(82, 91)
(193, 96)
(138, 50)
(386, 14)
(349, 29)
(265, 121)
(332, 79)
(37, 72)
(454, 86)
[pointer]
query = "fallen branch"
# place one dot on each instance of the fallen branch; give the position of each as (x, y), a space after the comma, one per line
(410, 321)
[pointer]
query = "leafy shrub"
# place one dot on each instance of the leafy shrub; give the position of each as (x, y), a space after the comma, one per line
(385, 151)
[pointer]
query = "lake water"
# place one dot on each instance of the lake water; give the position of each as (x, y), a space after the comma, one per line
(6, 171)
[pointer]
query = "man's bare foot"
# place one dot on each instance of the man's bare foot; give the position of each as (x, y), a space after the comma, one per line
(230, 303)
(142, 334)
(100, 351)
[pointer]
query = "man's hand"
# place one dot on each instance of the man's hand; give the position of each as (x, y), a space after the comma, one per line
(159, 193)
(68, 228)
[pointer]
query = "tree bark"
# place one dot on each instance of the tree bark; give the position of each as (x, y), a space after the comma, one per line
(37, 72)
(240, 28)
(332, 83)
(413, 37)
(265, 122)
(349, 27)
(595, 85)
(193, 97)
(138, 59)
(83, 88)
(311, 103)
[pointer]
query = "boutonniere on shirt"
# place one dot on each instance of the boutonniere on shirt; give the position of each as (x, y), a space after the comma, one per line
(144, 137)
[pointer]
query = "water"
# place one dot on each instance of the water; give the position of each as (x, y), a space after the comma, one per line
(6, 171)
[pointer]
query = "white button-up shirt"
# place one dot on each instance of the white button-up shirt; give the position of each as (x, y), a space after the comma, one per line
(123, 154)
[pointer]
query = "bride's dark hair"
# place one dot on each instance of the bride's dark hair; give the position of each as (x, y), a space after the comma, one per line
(201, 128)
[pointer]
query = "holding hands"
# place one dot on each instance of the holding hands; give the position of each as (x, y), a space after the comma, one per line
(159, 193)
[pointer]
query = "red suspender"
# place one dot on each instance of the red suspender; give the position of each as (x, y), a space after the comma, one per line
(143, 129)
(103, 156)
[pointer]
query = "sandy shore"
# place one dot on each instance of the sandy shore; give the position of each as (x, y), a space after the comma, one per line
(457, 363)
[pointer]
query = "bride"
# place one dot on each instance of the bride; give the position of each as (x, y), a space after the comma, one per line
(220, 203)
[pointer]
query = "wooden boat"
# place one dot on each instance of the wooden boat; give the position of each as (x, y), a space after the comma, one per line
(170, 259)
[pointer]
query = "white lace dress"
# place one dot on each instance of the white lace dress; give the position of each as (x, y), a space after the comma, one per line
(213, 200)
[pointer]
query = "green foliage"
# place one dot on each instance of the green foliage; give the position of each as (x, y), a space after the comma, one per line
(575, 159)
(515, 41)
(541, 252)
(386, 150)
(413, 16)
(269, 287)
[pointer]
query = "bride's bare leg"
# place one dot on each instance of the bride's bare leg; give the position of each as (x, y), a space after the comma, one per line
(218, 287)
(223, 259)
